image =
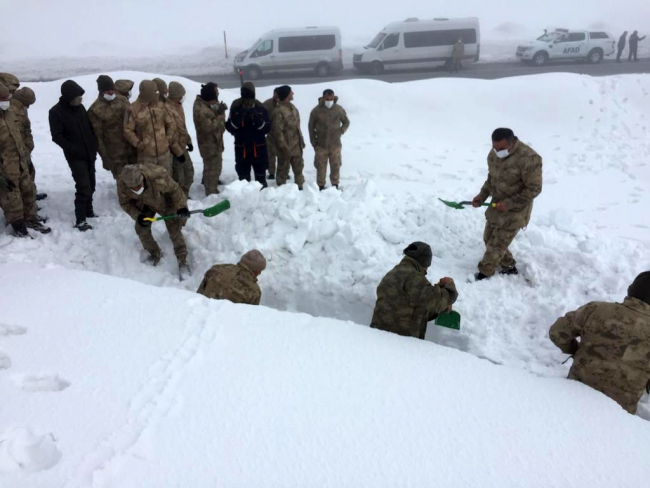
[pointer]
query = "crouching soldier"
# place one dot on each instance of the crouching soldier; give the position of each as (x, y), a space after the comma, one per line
(235, 282)
(406, 300)
(147, 190)
(613, 355)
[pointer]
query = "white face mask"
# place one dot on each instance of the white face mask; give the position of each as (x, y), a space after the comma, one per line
(138, 192)
(329, 103)
(182, 98)
(504, 153)
(129, 97)
(5, 105)
(108, 97)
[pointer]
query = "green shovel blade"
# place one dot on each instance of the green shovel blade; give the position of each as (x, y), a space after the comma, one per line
(456, 205)
(217, 209)
(449, 320)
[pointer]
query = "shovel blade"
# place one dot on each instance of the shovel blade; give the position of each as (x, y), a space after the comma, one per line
(217, 209)
(455, 205)
(449, 320)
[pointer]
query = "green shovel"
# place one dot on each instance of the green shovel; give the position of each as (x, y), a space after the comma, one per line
(462, 205)
(449, 320)
(208, 212)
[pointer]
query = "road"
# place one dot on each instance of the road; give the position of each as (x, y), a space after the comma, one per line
(484, 71)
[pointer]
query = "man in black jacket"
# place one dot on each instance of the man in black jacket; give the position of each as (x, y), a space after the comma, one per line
(621, 46)
(249, 122)
(71, 129)
(634, 46)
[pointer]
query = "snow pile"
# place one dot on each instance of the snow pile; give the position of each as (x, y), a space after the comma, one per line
(168, 388)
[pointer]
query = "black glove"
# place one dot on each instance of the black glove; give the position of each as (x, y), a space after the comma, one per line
(190, 147)
(183, 213)
(181, 158)
(142, 222)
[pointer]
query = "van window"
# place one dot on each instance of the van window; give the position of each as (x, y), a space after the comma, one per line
(439, 37)
(306, 43)
(375, 42)
(576, 36)
(598, 35)
(263, 49)
(391, 41)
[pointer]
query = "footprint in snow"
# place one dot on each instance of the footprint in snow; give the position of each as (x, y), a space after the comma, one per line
(37, 383)
(5, 361)
(8, 330)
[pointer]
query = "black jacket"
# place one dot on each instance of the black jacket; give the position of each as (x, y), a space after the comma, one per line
(249, 125)
(621, 42)
(634, 40)
(71, 129)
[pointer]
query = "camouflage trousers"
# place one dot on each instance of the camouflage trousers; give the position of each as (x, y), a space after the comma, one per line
(320, 162)
(174, 228)
(296, 163)
(497, 240)
(165, 161)
(183, 173)
(272, 152)
(212, 166)
(20, 202)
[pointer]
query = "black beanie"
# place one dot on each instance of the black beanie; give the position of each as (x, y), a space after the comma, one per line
(640, 288)
(208, 92)
(421, 252)
(283, 92)
(105, 83)
(71, 90)
(248, 91)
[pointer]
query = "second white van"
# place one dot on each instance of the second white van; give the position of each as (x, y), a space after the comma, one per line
(415, 43)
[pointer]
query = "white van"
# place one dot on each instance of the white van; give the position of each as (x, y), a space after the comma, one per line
(304, 49)
(417, 43)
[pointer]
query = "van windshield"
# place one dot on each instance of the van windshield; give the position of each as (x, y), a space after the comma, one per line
(255, 44)
(549, 36)
(376, 41)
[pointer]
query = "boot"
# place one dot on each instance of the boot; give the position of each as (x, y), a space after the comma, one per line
(20, 229)
(83, 226)
(509, 271)
(37, 226)
(480, 276)
(42, 219)
(184, 270)
(91, 215)
(271, 176)
(154, 258)
(321, 188)
(41, 196)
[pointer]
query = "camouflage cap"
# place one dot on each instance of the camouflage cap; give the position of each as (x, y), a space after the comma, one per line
(176, 90)
(10, 81)
(253, 260)
(421, 252)
(26, 96)
(4, 91)
(148, 90)
(131, 175)
(124, 86)
(161, 85)
(640, 288)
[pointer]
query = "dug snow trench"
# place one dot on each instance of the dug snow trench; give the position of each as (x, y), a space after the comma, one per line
(408, 144)
(166, 388)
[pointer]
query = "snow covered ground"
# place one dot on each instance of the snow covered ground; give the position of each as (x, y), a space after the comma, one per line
(157, 366)
(118, 384)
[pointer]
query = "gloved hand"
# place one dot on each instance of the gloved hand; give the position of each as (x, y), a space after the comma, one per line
(183, 213)
(181, 158)
(142, 222)
(190, 147)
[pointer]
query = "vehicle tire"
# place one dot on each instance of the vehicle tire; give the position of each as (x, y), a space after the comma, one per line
(323, 70)
(376, 67)
(595, 56)
(540, 58)
(253, 73)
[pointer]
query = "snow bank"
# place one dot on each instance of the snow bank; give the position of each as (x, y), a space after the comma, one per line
(167, 388)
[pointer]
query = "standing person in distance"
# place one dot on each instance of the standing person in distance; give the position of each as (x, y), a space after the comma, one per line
(621, 46)
(210, 124)
(634, 46)
(457, 55)
(285, 127)
(182, 172)
(270, 106)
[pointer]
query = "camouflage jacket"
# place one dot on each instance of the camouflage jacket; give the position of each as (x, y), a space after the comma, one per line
(234, 282)
(613, 355)
(406, 300)
(270, 105)
(149, 128)
(327, 125)
(209, 128)
(176, 111)
(285, 127)
(458, 50)
(22, 115)
(161, 194)
(107, 119)
(14, 156)
(515, 181)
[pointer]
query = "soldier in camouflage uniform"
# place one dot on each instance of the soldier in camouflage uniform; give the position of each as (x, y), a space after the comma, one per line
(327, 123)
(285, 127)
(210, 123)
(235, 282)
(613, 355)
(107, 117)
(17, 190)
(183, 172)
(406, 300)
(147, 190)
(163, 92)
(270, 106)
(149, 128)
(514, 181)
(124, 88)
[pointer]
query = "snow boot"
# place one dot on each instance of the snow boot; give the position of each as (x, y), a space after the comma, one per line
(91, 215)
(41, 219)
(38, 227)
(184, 270)
(41, 196)
(271, 176)
(154, 258)
(509, 271)
(321, 188)
(83, 226)
(20, 229)
(480, 276)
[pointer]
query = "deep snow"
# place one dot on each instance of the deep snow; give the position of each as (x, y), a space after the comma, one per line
(142, 386)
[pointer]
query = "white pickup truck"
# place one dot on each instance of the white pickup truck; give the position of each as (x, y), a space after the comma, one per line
(564, 44)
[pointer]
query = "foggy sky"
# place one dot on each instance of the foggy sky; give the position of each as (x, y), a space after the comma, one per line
(39, 28)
